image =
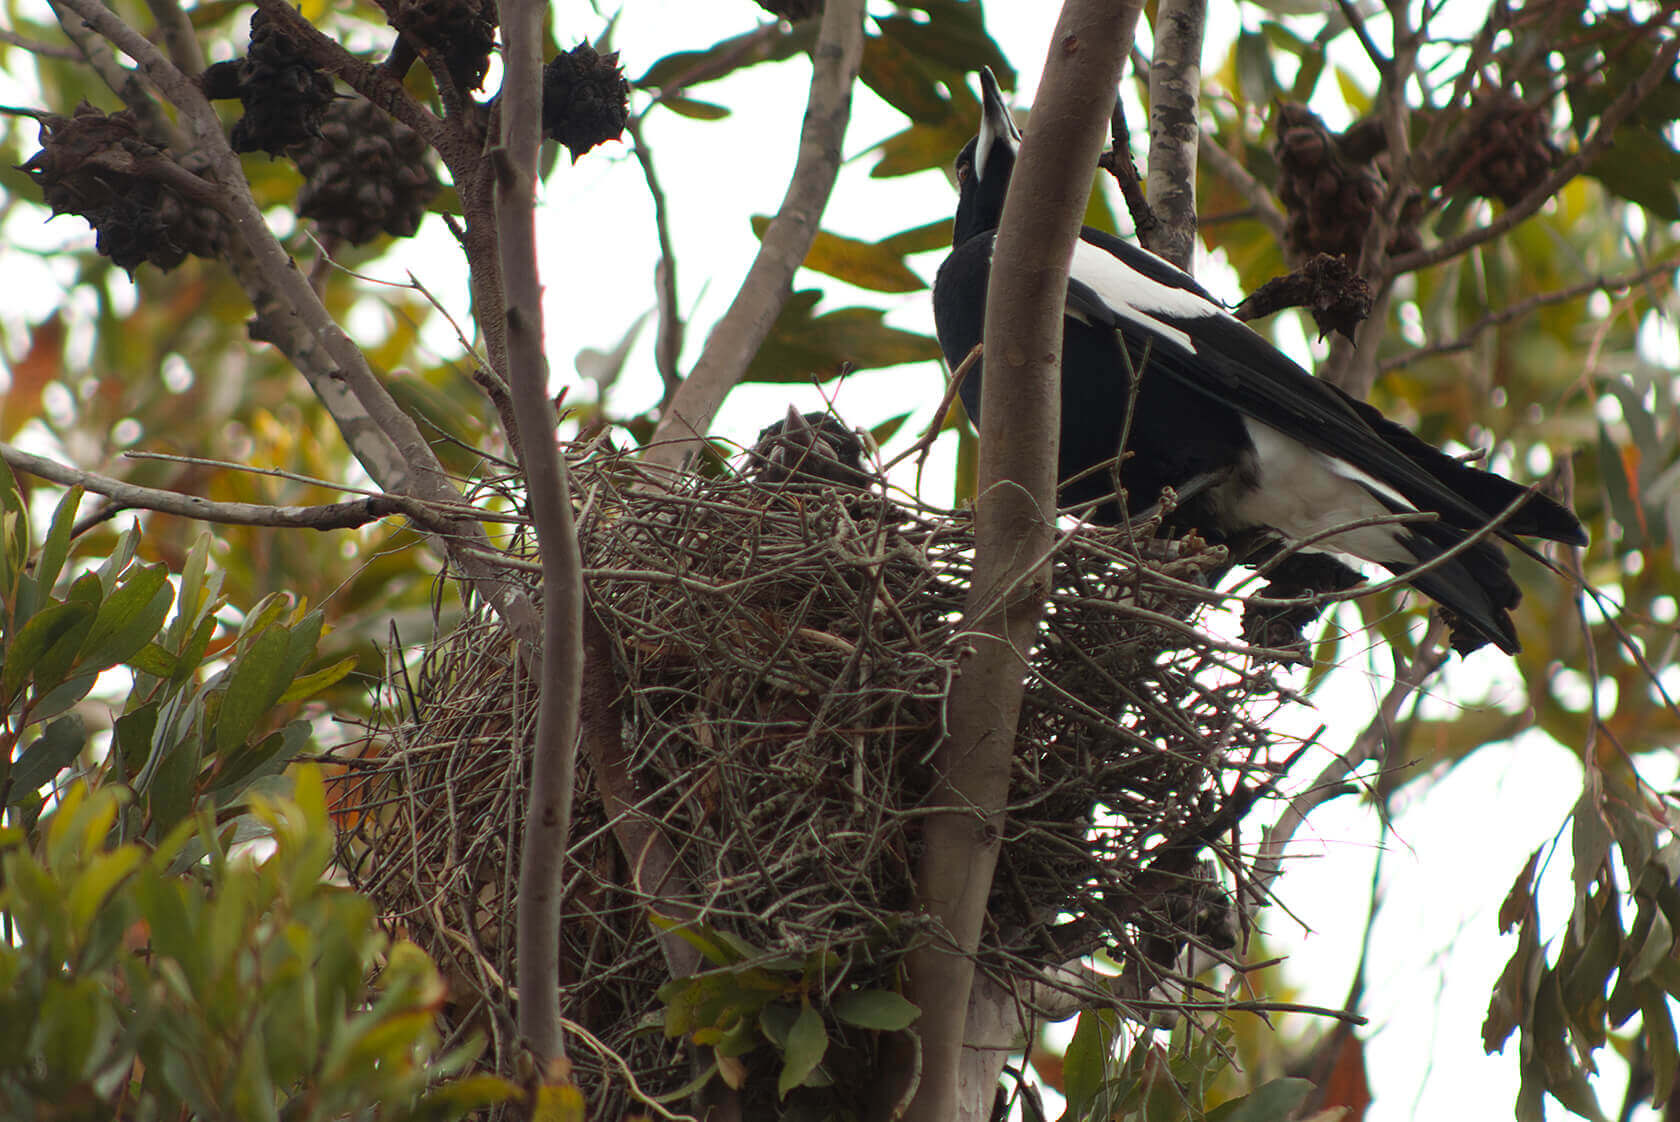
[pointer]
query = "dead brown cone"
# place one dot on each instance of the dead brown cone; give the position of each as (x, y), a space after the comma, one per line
(95, 165)
(1504, 152)
(284, 93)
(586, 99)
(1331, 184)
(365, 175)
(462, 31)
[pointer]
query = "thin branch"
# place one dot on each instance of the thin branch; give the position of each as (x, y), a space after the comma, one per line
(1356, 20)
(383, 438)
(548, 818)
(1466, 339)
(330, 516)
(123, 82)
(1256, 193)
(1175, 84)
(1015, 525)
(1329, 783)
(668, 341)
(178, 36)
(745, 326)
(38, 48)
(1118, 162)
(1603, 135)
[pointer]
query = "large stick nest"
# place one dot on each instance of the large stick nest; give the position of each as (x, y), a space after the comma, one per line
(768, 673)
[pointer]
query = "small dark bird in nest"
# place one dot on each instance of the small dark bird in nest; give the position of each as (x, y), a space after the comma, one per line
(810, 448)
(1261, 455)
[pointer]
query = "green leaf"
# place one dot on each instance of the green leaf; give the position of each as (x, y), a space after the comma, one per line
(725, 57)
(900, 80)
(58, 744)
(174, 784)
(1089, 1055)
(956, 37)
(1660, 1043)
(871, 265)
(1641, 168)
(887, 429)
(803, 347)
(921, 239)
(63, 696)
(57, 546)
(806, 1042)
(881, 1010)
(45, 646)
(699, 936)
(1269, 1101)
(132, 733)
(313, 683)
(130, 618)
(267, 757)
(921, 147)
(255, 682)
(693, 108)
(155, 660)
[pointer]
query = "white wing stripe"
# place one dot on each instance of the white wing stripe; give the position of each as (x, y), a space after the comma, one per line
(1122, 287)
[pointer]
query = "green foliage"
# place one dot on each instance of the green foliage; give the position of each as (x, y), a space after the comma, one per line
(1183, 1078)
(749, 999)
(253, 989)
(150, 968)
(195, 728)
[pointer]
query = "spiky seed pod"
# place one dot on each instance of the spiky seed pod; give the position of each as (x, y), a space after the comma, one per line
(284, 93)
(1330, 185)
(792, 10)
(462, 31)
(87, 166)
(586, 99)
(1503, 153)
(365, 174)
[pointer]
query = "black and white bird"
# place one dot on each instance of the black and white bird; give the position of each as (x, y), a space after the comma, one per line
(1261, 454)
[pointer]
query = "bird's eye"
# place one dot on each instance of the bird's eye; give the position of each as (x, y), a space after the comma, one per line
(964, 169)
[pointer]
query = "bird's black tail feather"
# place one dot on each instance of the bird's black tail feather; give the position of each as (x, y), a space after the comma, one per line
(1489, 494)
(1474, 586)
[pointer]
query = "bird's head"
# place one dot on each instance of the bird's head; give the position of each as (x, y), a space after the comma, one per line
(985, 164)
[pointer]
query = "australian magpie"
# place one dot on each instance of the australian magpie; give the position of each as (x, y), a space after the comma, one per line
(1262, 455)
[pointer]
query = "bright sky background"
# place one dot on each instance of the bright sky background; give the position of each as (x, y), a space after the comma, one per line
(1457, 840)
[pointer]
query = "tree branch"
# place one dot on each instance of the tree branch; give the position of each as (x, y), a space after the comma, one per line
(331, 516)
(1015, 524)
(1175, 85)
(1467, 338)
(744, 327)
(1603, 134)
(668, 340)
(383, 438)
(1256, 193)
(548, 818)
(1328, 784)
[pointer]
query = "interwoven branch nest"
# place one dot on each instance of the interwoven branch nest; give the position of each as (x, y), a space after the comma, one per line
(768, 675)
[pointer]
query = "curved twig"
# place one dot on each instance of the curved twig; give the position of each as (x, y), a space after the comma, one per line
(744, 327)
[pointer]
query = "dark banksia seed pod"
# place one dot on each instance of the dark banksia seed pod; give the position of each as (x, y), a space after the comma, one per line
(586, 99)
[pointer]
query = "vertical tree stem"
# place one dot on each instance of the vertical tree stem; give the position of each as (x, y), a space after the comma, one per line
(553, 760)
(1015, 525)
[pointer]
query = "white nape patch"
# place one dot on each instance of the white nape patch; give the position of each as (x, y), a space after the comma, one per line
(1303, 493)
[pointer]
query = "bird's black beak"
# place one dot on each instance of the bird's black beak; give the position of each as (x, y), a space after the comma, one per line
(997, 125)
